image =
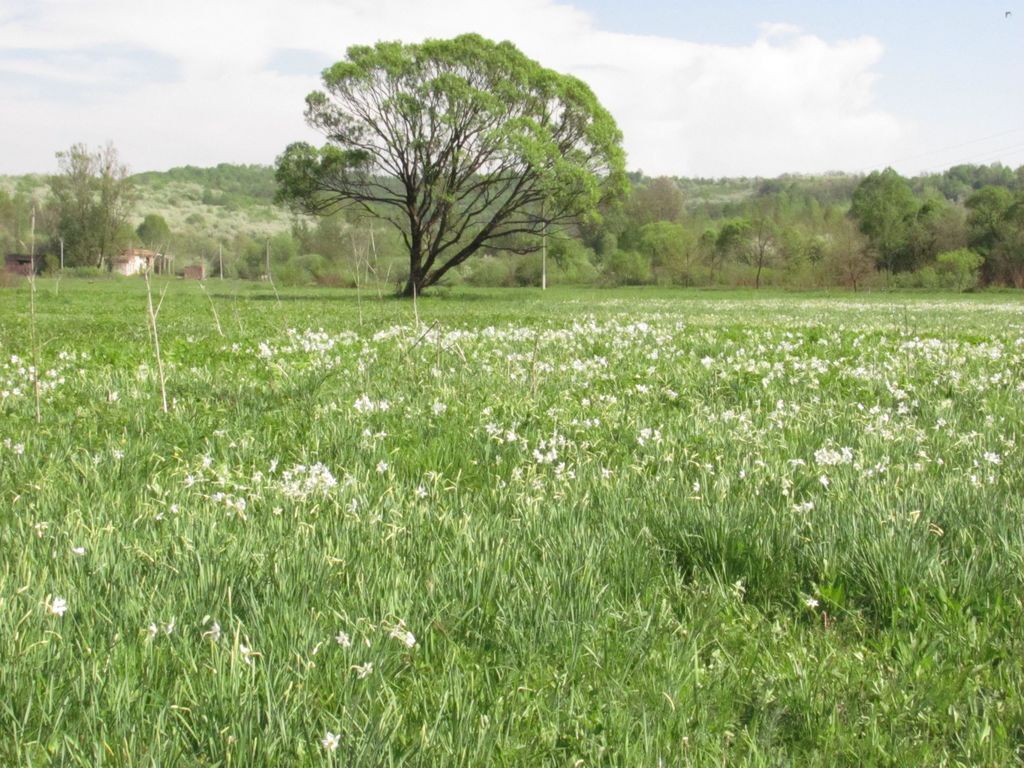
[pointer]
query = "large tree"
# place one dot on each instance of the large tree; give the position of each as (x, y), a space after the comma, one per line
(94, 199)
(885, 208)
(154, 231)
(996, 231)
(460, 144)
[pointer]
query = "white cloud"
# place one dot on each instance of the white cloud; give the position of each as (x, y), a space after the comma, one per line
(788, 101)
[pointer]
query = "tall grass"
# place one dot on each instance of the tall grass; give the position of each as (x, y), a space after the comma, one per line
(623, 528)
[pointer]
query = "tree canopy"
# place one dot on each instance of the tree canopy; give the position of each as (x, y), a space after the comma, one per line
(154, 232)
(885, 207)
(93, 199)
(460, 144)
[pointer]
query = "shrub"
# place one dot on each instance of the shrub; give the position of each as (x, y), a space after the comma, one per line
(491, 271)
(627, 268)
(958, 269)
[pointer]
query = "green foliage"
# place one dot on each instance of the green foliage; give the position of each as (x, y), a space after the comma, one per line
(491, 271)
(93, 200)
(238, 185)
(959, 268)
(996, 230)
(458, 144)
(627, 268)
(154, 232)
(660, 199)
(16, 221)
(885, 207)
(796, 236)
(629, 528)
(672, 251)
(960, 181)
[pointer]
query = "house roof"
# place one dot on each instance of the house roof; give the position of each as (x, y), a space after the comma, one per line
(128, 254)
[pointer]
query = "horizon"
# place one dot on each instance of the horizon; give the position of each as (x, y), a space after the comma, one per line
(835, 173)
(786, 87)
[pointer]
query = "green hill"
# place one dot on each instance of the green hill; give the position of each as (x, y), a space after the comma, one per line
(201, 205)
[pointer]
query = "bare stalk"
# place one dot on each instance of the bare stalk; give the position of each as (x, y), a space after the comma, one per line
(376, 264)
(36, 384)
(213, 307)
(415, 306)
(358, 263)
(270, 277)
(153, 314)
(533, 366)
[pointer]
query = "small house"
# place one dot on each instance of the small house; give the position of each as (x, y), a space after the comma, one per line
(22, 264)
(195, 272)
(135, 261)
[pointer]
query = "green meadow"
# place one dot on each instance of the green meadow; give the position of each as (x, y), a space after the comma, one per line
(509, 527)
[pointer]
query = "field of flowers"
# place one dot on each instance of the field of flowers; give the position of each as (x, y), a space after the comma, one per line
(624, 528)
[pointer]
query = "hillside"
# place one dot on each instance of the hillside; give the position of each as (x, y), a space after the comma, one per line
(792, 230)
(219, 203)
(210, 204)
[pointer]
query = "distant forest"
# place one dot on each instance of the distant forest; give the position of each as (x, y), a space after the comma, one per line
(953, 230)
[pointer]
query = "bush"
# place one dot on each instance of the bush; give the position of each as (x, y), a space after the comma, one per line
(958, 270)
(301, 270)
(491, 271)
(335, 279)
(925, 277)
(627, 268)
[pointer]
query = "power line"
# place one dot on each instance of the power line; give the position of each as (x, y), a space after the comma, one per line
(991, 155)
(961, 144)
(949, 148)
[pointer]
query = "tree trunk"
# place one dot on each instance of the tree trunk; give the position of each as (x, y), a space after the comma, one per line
(416, 283)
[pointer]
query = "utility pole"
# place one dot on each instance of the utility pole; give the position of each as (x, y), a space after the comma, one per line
(269, 276)
(220, 258)
(62, 254)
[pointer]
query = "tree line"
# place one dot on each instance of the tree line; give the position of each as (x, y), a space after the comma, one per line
(956, 229)
(463, 160)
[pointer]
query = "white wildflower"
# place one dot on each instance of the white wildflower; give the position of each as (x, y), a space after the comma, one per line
(247, 653)
(403, 635)
(57, 606)
(301, 482)
(213, 632)
(829, 457)
(330, 741)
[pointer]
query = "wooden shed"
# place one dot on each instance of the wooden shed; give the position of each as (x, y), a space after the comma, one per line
(195, 272)
(22, 264)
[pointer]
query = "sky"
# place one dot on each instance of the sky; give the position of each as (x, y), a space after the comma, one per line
(707, 89)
